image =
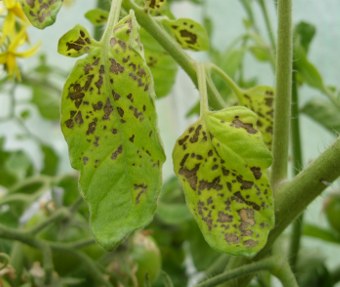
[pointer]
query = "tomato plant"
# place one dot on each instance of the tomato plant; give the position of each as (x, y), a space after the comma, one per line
(109, 218)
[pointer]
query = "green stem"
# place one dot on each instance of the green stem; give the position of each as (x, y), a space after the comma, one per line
(276, 266)
(295, 241)
(202, 87)
(171, 46)
(112, 21)
(45, 247)
(283, 93)
(320, 233)
(229, 81)
(293, 197)
(12, 234)
(267, 21)
(216, 268)
(247, 7)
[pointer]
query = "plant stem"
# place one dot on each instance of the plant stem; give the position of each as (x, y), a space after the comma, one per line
(297, 167)
(265, 14)
(202, 87)
(293, 197)
(98, 30)
(274, 265)
(320, 233)
(171, 46)
(229, 81)
(283, 93)
(112, 21)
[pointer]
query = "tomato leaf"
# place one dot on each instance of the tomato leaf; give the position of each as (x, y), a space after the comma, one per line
(324, 113)
(97, 16)
(260, 100)
(109, 122)
(162, 66)
(188, 33)
(75, 42)
(221, 161)
(41, 13)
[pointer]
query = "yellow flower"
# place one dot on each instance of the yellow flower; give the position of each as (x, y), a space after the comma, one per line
(14, 12)
(10, 55)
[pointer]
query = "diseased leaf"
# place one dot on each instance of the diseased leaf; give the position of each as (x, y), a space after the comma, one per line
(221, 161)
(109, 122)
(324, 113)
(154, 5)
(188, 33)
(41, 13)
(260, 100)
(162, 66)
(97, 16)
(75, 42)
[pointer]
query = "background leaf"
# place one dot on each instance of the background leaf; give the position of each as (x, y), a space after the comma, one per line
(325, 113)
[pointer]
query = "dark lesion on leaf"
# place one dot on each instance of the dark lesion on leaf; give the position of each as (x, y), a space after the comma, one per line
(195, 137)
(115, 67)
(223, 217)
(91, 127)
(237, 123)
(142, 189)
(214, 184)
(256, 172)
(245, 184)
(231, 238)
(190, 175)
(117, 152)
(239, 198)
(108, 109)
(189, 37)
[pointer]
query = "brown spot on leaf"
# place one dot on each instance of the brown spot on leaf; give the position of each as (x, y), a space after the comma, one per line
(190, 175)
(91, 128)
(194, 138)
(231, 238)
(69, 123)
(107, 110)
(237, 123)
(223, 217)
(117, 152)
(189, 37)
(142, 189)
(215, 184)
(115, 67)
(256, 172)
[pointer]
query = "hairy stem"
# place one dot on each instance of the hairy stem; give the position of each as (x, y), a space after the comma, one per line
(274, 265)
(295, 240)
(283, 93)
(293, 197)
(113, 19)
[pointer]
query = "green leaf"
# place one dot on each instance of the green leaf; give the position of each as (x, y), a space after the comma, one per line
(221, 161)
(162, 66)
(304, 33)
(307, 71)
(41, 13)
(97, 16)
(324, 113)
(47, 102)
(75, 42)
(261, 53)
(175, 213)
(109, 122)
(188, 33)
(260, 100)
(51, 160)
